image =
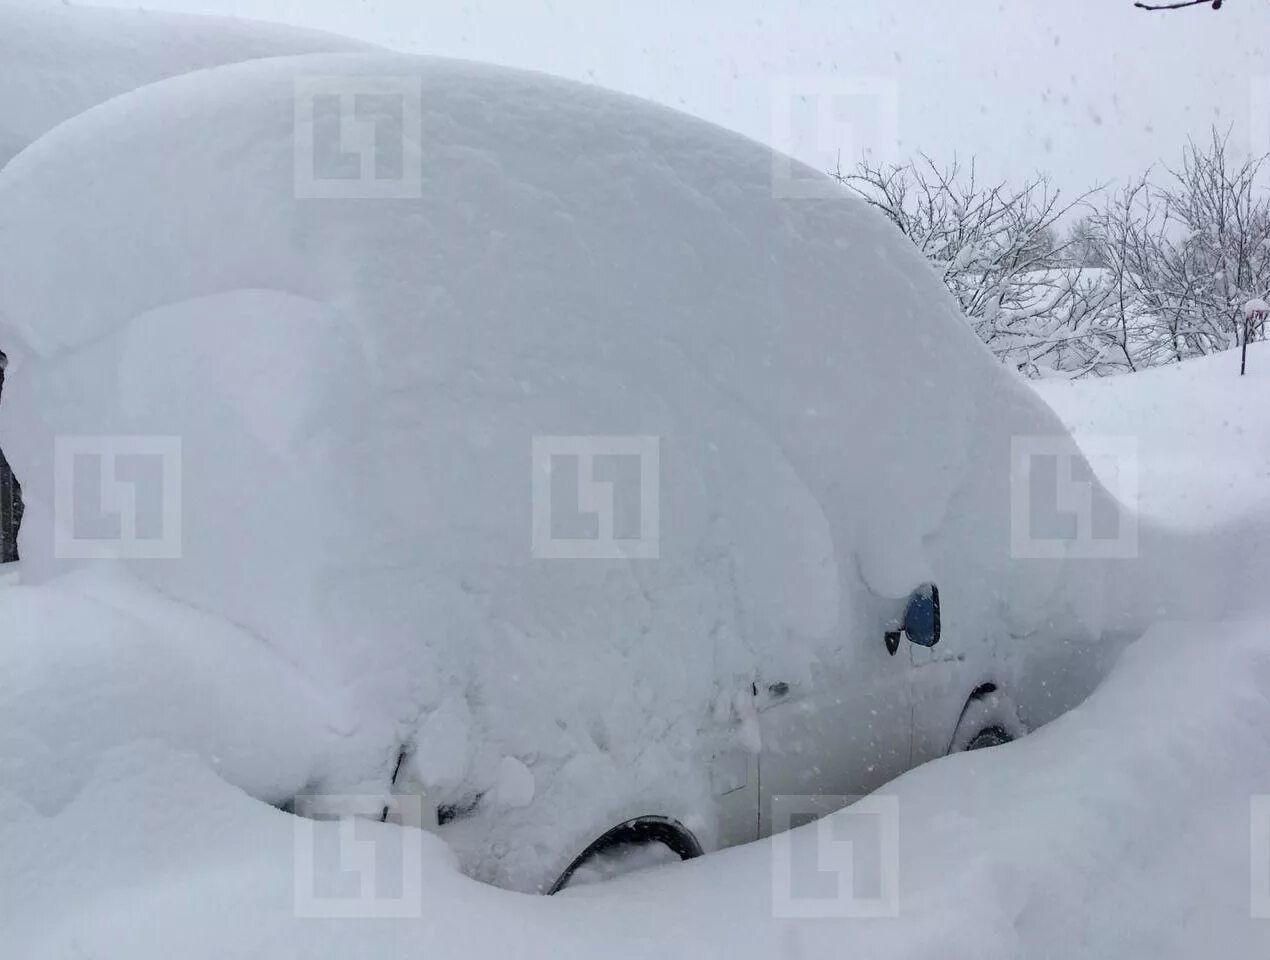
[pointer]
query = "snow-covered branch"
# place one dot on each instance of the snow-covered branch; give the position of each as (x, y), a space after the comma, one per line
(997, 247)
(1156, 273)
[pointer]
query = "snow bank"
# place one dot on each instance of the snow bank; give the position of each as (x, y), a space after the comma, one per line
(59, 59)
(92, 662)
(1120, 831)
(1203, 434)
(1200, 446)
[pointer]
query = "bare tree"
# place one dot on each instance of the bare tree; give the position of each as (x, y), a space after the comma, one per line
(1182, 259)
(1156, 274)
(1082, 243)
(996, 247)
(1139, 322)
(1221, 244)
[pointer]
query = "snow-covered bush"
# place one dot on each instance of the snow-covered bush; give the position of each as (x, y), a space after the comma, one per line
(1158, 273)
(995, 247)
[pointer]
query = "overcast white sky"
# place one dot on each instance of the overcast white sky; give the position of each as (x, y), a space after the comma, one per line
(1087, 89)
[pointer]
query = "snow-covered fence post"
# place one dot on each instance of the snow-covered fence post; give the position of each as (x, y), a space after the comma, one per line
(1254, 313)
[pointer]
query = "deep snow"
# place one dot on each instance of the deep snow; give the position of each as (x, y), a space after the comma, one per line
(357, 402)
(1203, 439)
(99, 663)
(1129, 828)
(832, 434)
(1122, 830)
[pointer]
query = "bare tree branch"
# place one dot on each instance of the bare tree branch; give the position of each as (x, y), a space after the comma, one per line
(996, 247)
(1215, 4)
(1158, 273)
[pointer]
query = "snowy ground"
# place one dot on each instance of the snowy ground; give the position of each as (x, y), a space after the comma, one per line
(1202, 432)
(1126, 829)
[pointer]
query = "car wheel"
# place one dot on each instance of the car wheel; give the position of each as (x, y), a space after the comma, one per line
(989, 737)
(988, 719)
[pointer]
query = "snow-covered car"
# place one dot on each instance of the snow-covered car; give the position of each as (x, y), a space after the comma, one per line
(60, 60)
(597, 478)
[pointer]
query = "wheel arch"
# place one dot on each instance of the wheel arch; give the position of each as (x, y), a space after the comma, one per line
(645, 829)
(988, 705)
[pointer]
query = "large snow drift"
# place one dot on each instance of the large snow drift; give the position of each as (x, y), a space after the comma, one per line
(1122, 831)
(59, 60)
(1203, 437)
(96, 663)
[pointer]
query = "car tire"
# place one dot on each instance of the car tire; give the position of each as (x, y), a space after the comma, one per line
(992, 736)
(989, 718)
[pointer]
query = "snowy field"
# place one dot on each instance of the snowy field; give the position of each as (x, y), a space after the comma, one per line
(1202, 434)
(350, 359)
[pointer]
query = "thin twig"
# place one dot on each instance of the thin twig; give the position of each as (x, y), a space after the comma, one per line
(1216, 4)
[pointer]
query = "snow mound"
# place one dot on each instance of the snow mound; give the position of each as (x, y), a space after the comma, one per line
(91, 663)
(352, 389)
(1203, 437)
(1120, 831)
(60, 60)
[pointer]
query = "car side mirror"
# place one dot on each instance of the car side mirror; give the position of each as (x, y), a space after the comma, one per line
(921, 619)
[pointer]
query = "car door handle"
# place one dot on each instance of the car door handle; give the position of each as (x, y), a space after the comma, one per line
(777, 689)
